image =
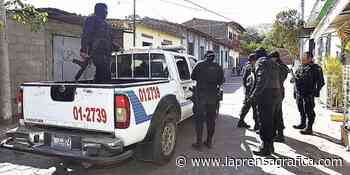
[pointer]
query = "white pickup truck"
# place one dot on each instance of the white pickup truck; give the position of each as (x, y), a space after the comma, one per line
(136, 113)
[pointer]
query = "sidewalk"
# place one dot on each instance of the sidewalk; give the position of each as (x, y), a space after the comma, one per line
(325, 143)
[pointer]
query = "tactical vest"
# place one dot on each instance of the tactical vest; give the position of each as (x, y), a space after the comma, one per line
(102, 37)
(305, 80)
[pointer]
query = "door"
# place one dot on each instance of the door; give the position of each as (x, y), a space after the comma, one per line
(184, 77)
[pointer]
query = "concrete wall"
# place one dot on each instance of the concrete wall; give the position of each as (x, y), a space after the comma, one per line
(30, 53)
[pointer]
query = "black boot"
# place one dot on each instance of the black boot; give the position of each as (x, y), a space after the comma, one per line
(301, 126)
(197, 145)
(272, 148)
(265, 151)
(279, 137)
(242, 124)
(307, 131)
(208, 143)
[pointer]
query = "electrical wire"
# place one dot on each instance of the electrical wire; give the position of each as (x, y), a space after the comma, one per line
(208, 10)
(180, 5)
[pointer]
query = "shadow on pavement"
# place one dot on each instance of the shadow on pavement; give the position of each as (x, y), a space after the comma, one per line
(229, 141)
(11, 160)
(313, 152)
(327, 137)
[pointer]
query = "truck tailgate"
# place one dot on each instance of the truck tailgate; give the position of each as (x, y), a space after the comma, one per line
(70, 106)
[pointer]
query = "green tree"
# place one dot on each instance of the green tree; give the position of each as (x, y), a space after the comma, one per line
(251, 41)
(285, 30)
(333, 68)
(22, 13)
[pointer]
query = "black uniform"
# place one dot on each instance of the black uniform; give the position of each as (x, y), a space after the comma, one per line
(279, 124)
(308, 83)
(96, 41)
(268, 95)
(248, 84)
(209, 77)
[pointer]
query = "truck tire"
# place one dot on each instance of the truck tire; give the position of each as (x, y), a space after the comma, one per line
(164, 140)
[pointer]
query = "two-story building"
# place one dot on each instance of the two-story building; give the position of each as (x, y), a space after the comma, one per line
(225, 32)
(155, 32)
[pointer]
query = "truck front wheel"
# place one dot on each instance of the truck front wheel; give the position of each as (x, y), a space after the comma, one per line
(165, 140)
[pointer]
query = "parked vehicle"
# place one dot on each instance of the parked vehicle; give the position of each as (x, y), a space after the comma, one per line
(136, 112)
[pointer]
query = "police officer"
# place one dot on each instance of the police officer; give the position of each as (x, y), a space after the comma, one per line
(96, 42)
(209, 77)
(248, 84)
(268, 94)
(283, 73)
(308, 83)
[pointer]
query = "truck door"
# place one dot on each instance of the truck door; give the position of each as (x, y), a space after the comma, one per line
(184, 77)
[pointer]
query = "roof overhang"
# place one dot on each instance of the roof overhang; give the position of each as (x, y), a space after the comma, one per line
(342, 20)
(306, 32)
(326, 22)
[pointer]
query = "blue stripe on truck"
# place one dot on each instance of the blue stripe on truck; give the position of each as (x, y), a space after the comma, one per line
(139, 111)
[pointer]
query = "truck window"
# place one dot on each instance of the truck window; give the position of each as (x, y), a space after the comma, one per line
(159, 67)
(141, 65)
(124, 66)
(182, 67)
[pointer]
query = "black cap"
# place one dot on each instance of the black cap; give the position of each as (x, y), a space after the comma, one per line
(274, 54)
(251, 57)
(209, 53)
(260, 52)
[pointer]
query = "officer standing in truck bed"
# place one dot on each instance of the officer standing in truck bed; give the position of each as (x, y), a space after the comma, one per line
(97, 42)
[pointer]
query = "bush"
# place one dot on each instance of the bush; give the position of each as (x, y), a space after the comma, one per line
(333, 69)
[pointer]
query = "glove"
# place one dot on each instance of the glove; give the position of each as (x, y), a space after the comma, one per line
(83, 55)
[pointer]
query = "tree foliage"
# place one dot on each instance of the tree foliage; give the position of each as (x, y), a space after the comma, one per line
(333, 68)
(285, 30)
(24, 13)
(251, 40)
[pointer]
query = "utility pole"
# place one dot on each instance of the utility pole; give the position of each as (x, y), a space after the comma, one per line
(134, 25)
(5, 81)
(301, 50)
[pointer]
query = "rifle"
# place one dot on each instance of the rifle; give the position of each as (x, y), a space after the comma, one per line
(83, 65)
(293, 76)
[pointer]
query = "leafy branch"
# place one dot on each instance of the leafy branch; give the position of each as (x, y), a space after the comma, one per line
(27, 14)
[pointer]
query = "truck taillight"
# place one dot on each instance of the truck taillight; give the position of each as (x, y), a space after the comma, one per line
(19, 101)
(122, 112)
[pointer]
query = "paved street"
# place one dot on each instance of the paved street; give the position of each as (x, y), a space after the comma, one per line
(229, 141)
